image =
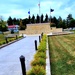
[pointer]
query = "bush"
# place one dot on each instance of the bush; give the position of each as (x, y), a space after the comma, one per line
(40, 55)
(4, 42)
(37, 70)
(42, 46)
(38, 61)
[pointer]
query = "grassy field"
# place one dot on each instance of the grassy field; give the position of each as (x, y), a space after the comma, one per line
(62, 54)
(2, 38)
(3, 41)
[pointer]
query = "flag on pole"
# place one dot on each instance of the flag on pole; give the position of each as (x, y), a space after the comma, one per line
(39, 4)
(51, 10)
(29, 12)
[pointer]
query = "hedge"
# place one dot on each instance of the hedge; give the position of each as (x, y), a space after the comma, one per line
(39, 62)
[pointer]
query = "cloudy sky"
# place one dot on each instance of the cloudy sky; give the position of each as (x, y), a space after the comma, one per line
(20, 8)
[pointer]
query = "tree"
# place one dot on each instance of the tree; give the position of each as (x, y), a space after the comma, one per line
(72, 23)
(22, 27)
(33, 19)
(64, 26)
(42, 18)
(29, 19)
(69, 18)
(59, 19)
(37, 19)
(10, 21)
(3, 26)
(25, 21)
(14, 21)
(17, 21)
(55, 21)
(46, 18)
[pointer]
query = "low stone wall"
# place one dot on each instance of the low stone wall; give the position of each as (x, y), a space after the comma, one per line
(38, 28)
(7, 32)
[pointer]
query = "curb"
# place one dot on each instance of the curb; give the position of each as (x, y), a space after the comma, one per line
(48, 69)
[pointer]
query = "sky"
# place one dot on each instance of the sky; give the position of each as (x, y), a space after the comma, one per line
(19, 8)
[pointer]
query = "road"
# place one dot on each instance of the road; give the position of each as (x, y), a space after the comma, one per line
(9, 55)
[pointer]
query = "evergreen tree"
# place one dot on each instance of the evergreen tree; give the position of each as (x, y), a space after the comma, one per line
(29, 19)
(33, 19)
(37, 19)
(22, 27)
(64, 26)
(42, 18)
(72, 23)
(14, 21)
(55, 21)
(10, 21)
(3, 26)
(69, 18)
(46, 18)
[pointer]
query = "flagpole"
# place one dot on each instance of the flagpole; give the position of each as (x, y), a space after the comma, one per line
(50, 15)
(29, 15)
(39, 12)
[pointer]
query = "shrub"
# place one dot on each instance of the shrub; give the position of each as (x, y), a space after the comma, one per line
(42, 47)
(38, 61)
(3, 42)
(37, 70)
(10, 40)
(40, 55)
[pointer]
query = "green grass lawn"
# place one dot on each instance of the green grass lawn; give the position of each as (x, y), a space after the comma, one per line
(2, 38)
(62, 54)
(3, 41)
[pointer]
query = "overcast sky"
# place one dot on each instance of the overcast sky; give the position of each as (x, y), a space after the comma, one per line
(20, 8)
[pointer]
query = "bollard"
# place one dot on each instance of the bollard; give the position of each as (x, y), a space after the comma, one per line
(22, 60)
(39, 39)
(16, 37)
(6, 39)
(35, 44)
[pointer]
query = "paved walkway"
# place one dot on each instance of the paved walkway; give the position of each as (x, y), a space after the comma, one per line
(9, 55)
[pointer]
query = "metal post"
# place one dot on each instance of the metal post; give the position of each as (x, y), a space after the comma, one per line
(6, 39)
(22, 60)
(35, 44)
(39, 38)
(16, 37)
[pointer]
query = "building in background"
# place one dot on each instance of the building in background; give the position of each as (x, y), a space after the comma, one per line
(15, 28)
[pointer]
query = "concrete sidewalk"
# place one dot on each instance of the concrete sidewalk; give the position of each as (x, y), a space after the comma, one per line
(9, 55)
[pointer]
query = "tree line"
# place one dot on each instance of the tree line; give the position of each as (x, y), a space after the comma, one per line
(69, 22)
(22, 22)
